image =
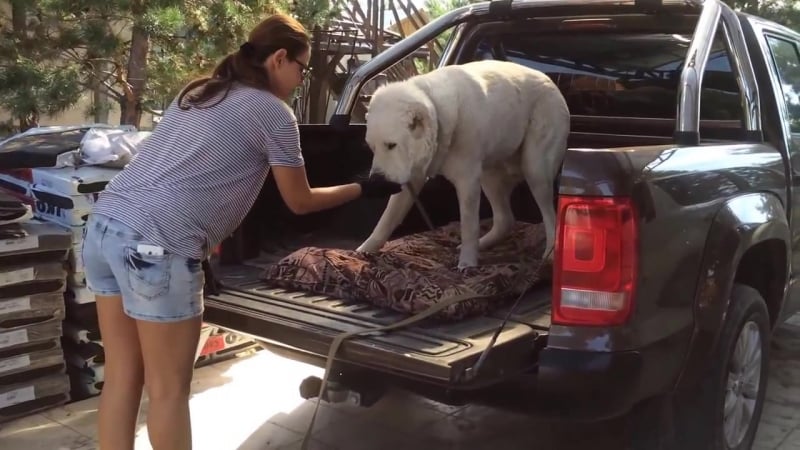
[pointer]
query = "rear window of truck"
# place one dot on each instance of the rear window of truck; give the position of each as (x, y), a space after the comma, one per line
(620, 74)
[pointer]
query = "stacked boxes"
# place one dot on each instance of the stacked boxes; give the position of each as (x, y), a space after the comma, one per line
(64, 198)
(33, 258)
(36, 347)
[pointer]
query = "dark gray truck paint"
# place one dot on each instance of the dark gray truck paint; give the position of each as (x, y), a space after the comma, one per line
(716, 201)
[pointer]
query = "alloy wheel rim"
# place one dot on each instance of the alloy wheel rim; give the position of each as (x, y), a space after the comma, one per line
(743, 382)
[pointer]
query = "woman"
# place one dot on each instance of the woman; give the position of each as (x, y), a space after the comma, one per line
(190, 186)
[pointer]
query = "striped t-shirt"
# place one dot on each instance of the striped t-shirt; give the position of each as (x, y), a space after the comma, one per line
(196, 177)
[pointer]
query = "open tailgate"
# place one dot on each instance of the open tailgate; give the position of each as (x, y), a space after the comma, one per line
(434, 352)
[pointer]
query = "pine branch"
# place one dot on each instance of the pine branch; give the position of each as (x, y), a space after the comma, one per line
(110, 91)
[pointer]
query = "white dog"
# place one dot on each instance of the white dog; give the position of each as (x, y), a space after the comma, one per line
(486, 124)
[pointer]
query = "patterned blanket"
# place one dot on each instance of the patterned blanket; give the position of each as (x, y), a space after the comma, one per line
(411, 273)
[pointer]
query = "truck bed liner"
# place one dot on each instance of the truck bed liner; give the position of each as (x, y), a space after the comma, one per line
(434, 351)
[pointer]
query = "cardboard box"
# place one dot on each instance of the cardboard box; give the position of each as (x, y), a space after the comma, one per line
(29, 397)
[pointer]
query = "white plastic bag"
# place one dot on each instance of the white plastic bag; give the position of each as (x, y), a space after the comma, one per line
(111, 147)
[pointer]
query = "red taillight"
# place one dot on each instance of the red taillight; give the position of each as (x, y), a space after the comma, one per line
(595, 262)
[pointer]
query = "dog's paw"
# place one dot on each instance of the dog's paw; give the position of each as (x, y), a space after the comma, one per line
(369, 247)
(466, 263)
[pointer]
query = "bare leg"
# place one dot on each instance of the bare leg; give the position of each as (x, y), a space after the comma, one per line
(498, 185)
(396, 210)
(169, 350)
(124, 376)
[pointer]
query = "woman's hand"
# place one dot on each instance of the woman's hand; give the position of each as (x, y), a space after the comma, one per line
(377, 186)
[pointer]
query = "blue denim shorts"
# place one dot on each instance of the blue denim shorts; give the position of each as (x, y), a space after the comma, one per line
(155, 288)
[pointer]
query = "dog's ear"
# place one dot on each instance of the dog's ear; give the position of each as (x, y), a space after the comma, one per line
(417, 123)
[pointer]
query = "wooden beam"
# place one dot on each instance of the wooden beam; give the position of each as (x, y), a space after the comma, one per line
(397, 18)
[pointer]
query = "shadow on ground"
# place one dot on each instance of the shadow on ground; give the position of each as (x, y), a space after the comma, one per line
(404, 421)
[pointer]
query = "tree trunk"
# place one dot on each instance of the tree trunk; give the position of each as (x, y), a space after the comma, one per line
(19, 21)
(131, 106)
(19, 18)
(100, 101)
(102, 107)
(26, 122)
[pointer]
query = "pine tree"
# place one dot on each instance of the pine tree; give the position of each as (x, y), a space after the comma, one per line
(136, 54)
(139, 53)
(31, 84)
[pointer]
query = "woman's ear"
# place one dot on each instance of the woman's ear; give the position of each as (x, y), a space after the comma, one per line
(280, 56)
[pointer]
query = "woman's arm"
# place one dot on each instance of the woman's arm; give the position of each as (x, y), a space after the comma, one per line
(302, 199)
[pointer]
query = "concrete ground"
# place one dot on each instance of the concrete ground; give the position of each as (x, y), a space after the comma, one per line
(252, 403)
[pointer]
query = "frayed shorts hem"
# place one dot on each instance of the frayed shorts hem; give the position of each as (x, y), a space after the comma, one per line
(160, 319)
(104, 292)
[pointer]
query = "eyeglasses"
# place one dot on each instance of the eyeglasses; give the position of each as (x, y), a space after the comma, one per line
(305, 71)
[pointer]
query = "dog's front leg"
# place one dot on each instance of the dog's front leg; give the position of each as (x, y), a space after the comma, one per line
(468, 190)
(396, 210)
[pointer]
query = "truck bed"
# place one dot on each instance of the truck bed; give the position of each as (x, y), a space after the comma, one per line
(433, 351)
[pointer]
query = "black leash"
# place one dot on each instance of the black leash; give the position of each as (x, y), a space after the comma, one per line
(213, 285)
(472, 372)
(420, 208)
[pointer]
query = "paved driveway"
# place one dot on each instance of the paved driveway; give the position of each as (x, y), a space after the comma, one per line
(252, 404)
(403, 421)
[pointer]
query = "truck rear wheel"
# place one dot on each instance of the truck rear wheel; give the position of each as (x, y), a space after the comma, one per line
(723, 413)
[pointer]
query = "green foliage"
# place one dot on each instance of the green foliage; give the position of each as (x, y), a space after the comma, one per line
(781, 11)
(64, 48)
(29, 89)
(313, 12)
(74, 46)
(436, 8)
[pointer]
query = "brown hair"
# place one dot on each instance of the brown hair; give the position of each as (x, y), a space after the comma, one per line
(246, 65)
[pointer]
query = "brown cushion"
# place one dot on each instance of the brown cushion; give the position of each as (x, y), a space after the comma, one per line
(411, 273)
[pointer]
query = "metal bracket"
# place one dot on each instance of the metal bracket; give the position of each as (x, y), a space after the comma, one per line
(500, 9)
(649, 5)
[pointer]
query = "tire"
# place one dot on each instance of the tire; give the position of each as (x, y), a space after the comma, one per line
(696, 419)
(700, 417)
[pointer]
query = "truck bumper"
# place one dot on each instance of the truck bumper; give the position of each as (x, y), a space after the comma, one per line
(593, 385)
(576, 385)
(565, 385)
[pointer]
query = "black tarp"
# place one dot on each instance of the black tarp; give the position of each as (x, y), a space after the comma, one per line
(39, 150)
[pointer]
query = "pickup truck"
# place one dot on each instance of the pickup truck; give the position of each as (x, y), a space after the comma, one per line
(682, 156)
